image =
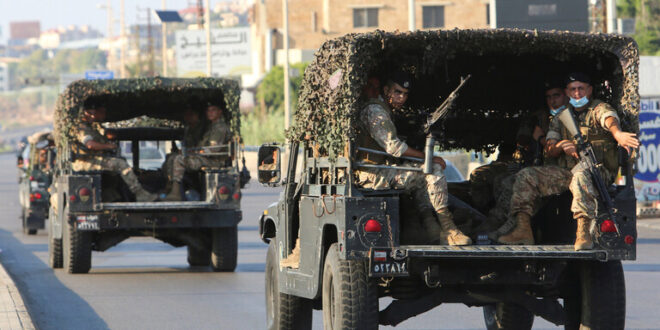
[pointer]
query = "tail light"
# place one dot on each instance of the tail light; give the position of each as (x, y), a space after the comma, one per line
(223, 192)
(84, 194)
(237, 196)
(31, 178)
(629, 239)
(37, 196)
(372, 226)
(607, 226)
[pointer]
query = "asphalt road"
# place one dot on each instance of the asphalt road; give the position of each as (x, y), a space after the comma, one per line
(145, 284)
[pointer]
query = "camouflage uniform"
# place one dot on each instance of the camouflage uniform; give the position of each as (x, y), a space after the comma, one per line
(191, 138)
(218, 133)
(98, 160)
(536, 182)
(428, 190)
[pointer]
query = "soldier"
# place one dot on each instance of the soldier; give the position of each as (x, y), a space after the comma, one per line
(601, 124)
(379, 132)
(217, 134)
(192, 134)
(94, 152)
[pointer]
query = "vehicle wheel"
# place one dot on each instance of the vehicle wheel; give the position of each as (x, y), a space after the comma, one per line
(29, 231)
(350, 299)
(507, 316)
(55, 259)
(77, 248)
(198, 257)
(283, 311)
(603, 292)
(224, 249)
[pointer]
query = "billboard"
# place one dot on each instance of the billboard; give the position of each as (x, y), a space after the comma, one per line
(230, 52)
(571, 15)
(647, 179)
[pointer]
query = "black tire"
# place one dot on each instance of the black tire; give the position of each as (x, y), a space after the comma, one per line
(55, 258)
(29, 231)
(603, 292)
(77, 248)
(198, 257)
(224, 249)
(507, 316)
(350, 298)
(283, 311)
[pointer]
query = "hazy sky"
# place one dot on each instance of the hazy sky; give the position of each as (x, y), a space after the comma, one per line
(53, 13)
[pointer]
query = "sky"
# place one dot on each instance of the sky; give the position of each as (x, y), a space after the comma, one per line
(53, 13)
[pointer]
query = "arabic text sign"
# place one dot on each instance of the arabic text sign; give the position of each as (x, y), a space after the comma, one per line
(230, 52)
(648, 163)
(99, 74)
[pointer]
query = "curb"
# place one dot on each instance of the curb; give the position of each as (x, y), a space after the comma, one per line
(13, 313)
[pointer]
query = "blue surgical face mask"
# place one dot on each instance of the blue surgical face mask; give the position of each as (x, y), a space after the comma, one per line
(555, 112)
(580, 102)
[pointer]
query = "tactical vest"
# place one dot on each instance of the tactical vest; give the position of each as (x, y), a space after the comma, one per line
(602, 141)
(365, 140)
(81, 150)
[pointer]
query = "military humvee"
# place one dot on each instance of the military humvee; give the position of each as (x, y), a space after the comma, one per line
(352, 242)
(94, 210)
(34, 179)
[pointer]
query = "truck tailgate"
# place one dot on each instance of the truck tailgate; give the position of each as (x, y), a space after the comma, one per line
(499, 251)
(150, 206)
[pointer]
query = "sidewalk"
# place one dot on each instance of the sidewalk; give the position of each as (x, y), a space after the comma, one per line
(13, 314)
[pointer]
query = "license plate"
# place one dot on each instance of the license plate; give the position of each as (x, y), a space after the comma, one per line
(87, 222)
(382, 264)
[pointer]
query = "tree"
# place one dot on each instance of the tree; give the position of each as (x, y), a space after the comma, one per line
(271, 89)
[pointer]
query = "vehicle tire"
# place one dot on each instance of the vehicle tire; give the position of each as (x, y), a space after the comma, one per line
(603, 292)
(55, 259)
(350, 298)
(507, 316)
(77, 248)
(283, 311)
(224, 249)
(29, 231)
(198, 257)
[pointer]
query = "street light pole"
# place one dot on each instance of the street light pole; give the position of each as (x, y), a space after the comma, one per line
(122, 31)
(207, 20)
(164, 43)
(411, 16)
(287, 108)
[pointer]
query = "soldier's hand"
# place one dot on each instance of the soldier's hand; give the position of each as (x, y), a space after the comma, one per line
(626, 140)
(440, 161)
(569, 148)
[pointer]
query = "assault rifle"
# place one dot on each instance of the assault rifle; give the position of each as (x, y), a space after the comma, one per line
(440, 112)
(589, 162)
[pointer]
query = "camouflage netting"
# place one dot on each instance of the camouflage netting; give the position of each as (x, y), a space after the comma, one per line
(158, 101)
(508, 69)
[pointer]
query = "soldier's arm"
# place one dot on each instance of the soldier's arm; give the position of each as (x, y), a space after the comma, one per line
(554, 149)
(625, 139)
(382, 130)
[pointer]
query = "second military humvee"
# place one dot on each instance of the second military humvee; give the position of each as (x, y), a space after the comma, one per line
(354, 245)
(94, 210)
(34, 180)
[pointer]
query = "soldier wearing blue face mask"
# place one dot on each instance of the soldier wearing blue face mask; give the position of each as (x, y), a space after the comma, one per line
(599, 123)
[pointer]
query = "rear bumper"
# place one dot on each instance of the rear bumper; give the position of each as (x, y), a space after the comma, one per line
(152, 219)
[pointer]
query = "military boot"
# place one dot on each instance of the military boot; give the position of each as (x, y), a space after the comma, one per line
(134, 185)
(522, 233)
(583, 239)
(450, 233)
(175, 193)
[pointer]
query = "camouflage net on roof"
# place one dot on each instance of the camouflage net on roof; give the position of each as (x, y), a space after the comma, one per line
(145, 101)
(508, 69)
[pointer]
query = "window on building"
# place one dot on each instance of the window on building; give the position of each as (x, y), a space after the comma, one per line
(433, 17)
(365, 17)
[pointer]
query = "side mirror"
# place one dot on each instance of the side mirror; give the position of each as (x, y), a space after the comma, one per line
(269, 164)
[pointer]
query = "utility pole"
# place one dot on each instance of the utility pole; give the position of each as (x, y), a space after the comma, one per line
(611, 15)
(287, 103)
(164, 42)
(122, 31)
(150, 40)
(411, 16)
(208, 39)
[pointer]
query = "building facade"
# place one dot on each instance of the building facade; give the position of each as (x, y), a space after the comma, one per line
(311, 22)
